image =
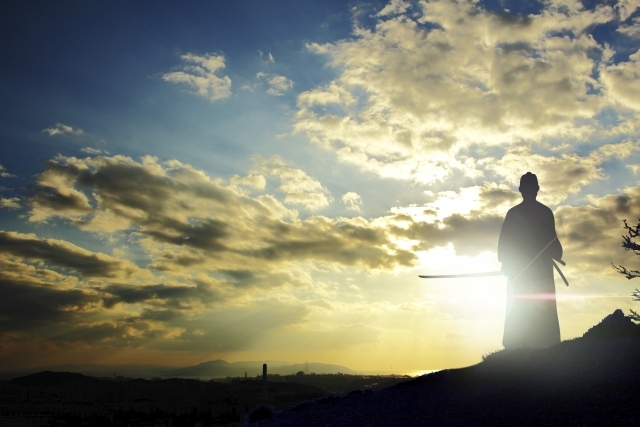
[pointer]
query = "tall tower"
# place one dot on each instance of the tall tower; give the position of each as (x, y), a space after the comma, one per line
(264, 381)
(306, 367)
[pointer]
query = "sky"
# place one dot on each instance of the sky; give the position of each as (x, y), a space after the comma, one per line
(250, 180)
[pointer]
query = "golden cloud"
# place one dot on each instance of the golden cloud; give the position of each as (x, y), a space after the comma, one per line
(417, 90)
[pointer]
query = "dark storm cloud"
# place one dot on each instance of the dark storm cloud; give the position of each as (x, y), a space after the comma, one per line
(26, 304)
(91, 333)
(595, 223)
(55, 200)
(623, 204)
(38, 303)
(158, 315)
(591, 234)
(133, 332)
(122, 185)
(63, 254)
(176, 297)
(324, 240)
(202, 235)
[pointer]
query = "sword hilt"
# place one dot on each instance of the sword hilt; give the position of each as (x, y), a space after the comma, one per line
(564, 279)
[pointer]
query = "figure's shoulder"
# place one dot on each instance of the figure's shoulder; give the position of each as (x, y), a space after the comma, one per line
(516, 209)
(529, 209)
(544, 208)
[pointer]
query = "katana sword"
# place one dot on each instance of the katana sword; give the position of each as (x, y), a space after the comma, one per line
(455, 276)
(489, 273)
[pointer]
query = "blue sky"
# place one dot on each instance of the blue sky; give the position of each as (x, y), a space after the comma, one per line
(204, 165)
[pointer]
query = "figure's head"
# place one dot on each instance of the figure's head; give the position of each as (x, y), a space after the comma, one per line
(529, 186)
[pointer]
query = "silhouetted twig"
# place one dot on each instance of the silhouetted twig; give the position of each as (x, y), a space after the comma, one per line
(629, 274)
(636, 297)
(632, 233)
(629, 244)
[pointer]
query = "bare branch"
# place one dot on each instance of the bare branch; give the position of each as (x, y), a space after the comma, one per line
(629, 274)
(629, 245)
(632, 233)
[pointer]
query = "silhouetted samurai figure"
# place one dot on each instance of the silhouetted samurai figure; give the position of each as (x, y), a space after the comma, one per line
(528, 244)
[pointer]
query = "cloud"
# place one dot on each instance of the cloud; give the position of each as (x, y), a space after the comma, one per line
(626, 8)
(298, 187)
(270, 59)
(54, 289)
(352, 201)
(61, 129)
(93, 151)
(65, 255)
(415, 91)
(632, 30)
(623, 81)
(178, 298)
(257, 182)
(395, 7)
(634, 168)
(213, 252)
(57, 194)
(470, 235)
(591, 234)
(277, 84)
(559, 175)
(4, 173)
(184, 219)
(11, 203)
(201, 77)
(34, 297)
(41, 303)
(327, 95)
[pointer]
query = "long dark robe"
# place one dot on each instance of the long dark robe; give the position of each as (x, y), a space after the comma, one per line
(528, 244)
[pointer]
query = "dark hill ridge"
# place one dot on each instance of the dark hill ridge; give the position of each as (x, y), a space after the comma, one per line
(52, 379)
(593, 380)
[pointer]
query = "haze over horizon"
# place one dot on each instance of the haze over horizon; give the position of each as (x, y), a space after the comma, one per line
(265, 180)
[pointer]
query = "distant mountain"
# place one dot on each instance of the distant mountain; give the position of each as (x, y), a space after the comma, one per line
(211, 369)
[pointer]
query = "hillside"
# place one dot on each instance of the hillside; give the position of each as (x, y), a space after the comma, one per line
(592, 380)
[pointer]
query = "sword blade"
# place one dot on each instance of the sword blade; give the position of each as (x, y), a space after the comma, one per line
(489, 273)
(455, 276)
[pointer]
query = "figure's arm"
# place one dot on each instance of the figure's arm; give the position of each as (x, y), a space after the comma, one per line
(555, 248)
(505, 250)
